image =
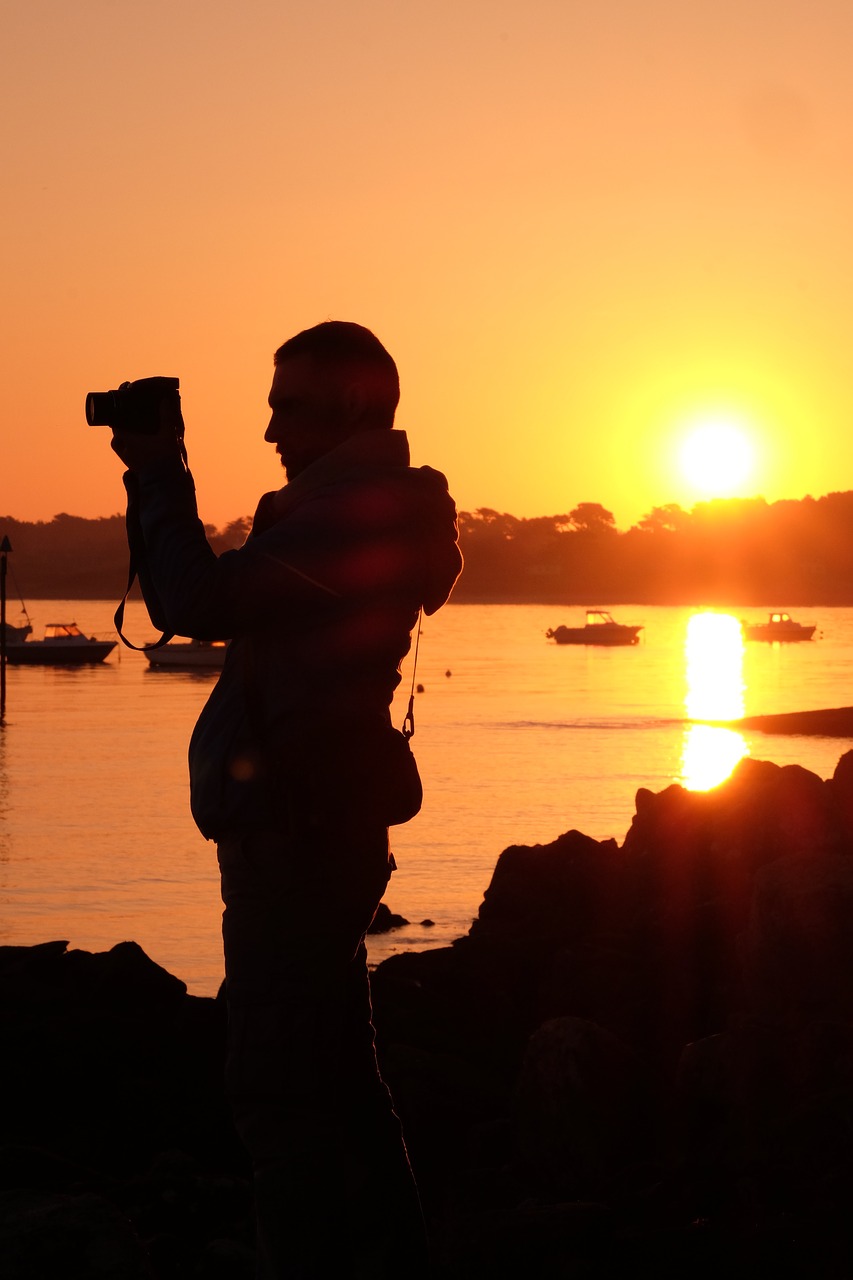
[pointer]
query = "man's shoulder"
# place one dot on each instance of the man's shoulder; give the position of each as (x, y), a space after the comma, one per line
(432, 476)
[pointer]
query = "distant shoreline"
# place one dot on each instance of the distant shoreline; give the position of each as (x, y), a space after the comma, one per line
(462, 597)
(741, 554)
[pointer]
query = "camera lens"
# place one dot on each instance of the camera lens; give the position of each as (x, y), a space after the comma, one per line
(100, 408)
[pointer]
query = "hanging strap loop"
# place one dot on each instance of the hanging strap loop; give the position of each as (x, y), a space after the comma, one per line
(408, 729)
(137, 558)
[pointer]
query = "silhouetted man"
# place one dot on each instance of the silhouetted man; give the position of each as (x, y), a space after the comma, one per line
(296, 773)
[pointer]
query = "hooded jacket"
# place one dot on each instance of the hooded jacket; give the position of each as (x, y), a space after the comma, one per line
(319, 605)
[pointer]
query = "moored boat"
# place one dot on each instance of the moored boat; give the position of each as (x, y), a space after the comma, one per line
(183, 655)
(17, 635)
(600, 628)
(63, 645)
(779, 626)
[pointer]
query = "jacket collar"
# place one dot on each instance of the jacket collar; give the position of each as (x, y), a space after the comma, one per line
(367, 449)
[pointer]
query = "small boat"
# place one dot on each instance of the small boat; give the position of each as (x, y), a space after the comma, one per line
(600, 628)
(64, 645)
(184, 655)
(17, 635)
(779, 626)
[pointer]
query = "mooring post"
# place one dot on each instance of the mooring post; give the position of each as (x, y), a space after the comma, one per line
(5, 548)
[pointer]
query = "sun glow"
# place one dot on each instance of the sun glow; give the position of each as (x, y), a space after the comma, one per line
(717, 457)
(715, 688)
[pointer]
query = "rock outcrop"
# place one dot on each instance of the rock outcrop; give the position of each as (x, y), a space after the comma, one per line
(644, 1053)
(640, 1057)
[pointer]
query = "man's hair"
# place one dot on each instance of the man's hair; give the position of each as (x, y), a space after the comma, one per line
(357, 353)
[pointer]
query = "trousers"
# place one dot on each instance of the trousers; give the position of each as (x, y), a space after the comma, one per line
(334, 1190)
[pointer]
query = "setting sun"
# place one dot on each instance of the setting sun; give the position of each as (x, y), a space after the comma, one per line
(717, 457)
(599, 238)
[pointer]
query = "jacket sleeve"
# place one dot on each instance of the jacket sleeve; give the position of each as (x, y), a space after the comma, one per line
(139, 566)
(315, 554)
(442, 559)
(389, 536)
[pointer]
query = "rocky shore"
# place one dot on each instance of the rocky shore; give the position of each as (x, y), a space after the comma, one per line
(640, 1058)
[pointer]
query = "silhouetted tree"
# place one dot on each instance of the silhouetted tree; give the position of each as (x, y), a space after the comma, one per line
(592, 517)
(670, 518)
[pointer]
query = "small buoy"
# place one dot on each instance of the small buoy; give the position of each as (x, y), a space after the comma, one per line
(420, 688)
(447, 673)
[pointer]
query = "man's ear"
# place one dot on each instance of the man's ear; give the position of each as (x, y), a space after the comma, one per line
(355, 403)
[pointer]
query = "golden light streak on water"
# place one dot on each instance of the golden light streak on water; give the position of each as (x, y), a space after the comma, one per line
(715, 689)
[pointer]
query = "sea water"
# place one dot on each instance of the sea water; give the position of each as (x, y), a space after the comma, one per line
(518, 740)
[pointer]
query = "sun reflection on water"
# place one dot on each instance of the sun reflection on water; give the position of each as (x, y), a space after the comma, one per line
(715, 689)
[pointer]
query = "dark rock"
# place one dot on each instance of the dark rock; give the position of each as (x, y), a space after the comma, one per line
(59, 1237)
(40, 1170)
(547, 890)
(385, 920)
(680, 1005)
(581, 1108)
(798, 944)
(640, 1057)
(108, 1063)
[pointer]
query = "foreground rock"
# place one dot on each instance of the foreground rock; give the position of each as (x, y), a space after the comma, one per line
(643, 1055)
(640, 1058)
(118, 1159)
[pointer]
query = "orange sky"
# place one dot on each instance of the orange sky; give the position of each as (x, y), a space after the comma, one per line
(577, 225)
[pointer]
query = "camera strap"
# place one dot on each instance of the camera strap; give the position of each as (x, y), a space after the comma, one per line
(408, 729)
(118, 618)
(137, 567)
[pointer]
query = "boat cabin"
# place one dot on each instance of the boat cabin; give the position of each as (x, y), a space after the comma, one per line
(63, 631)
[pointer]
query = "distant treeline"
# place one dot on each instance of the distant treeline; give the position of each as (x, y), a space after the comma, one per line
(732, 551)
(728, 551)
(70, 558)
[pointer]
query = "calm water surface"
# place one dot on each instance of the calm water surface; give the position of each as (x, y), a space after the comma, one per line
(518, 740)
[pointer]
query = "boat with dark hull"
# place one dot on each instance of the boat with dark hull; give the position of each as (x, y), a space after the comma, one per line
(188, 655)
(601, 628)
(63, 645)
(779, 626)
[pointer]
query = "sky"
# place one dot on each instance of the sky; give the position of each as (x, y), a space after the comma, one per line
(582, 228)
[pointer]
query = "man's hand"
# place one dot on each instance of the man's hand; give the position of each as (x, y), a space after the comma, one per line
(138, 450)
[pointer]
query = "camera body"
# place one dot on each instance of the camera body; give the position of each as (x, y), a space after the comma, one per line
(134, 406)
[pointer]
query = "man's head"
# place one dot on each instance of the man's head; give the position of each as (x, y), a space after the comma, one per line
(331, 382)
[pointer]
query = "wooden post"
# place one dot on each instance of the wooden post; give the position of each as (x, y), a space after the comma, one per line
(5, 548)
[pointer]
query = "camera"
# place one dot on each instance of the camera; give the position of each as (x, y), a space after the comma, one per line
(134, 406)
